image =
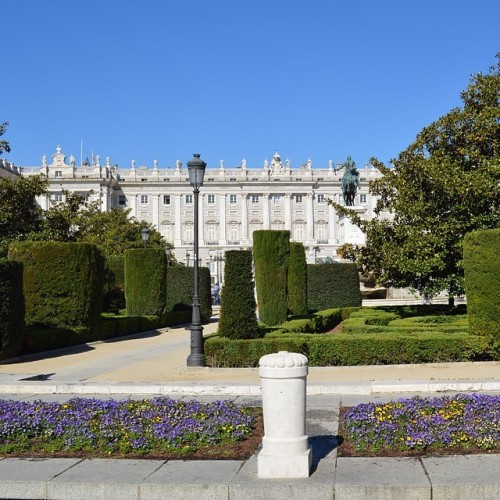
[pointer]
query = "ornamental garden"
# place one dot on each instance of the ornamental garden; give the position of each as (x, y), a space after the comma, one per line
(60, 294)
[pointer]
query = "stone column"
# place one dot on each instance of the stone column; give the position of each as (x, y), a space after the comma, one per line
(287, 199)
(177, 221)
(133, 205)
(309, 217)
(265, 210)
(156, 210)
(331, 224)
(285, 447)
(222, 220)
(201, 224)
(244, 218)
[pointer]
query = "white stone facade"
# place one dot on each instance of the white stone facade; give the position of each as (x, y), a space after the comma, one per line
(233, 202)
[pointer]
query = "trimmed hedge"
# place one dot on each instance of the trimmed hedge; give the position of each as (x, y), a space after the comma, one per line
(145, 281)
(350, 350)
(111, 326)
(12, 327)
(63, 283)
(237, 312)
(271, 253)
(114, 283)
(482, 271)
(180, 283)
(297, 279)
(332, 285)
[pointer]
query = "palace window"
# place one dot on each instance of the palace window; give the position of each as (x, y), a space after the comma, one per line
(321, 198)
(362, 198)
(277, 199)
(298, 232)
(188, 233)
(58, 197)
(189, 199)
(166, 199)
(255, 198)
(211, 233)
(298, 198)
(144, 199)
(321, 231)
(232, 199)
(211, 199)
(58, 173)
(234, 232)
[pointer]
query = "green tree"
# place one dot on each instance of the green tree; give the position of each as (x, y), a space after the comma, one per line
(115, 231)
(444, 185)
(20, 216)
(68, 220)
(4, 145)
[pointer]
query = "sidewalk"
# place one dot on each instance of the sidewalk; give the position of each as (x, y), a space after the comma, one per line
(153, 363)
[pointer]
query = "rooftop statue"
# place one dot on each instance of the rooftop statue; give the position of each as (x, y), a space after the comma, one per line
(350, 181)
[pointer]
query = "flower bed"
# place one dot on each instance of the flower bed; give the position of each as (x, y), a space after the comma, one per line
(102, 428)
(462, 424)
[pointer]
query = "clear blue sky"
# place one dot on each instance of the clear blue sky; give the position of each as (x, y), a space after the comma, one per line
(234, 79)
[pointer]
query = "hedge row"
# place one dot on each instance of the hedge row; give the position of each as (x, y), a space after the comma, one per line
(114, 283)
(237, 313)
(297, 279)
(271, 253)
(320, 322)
(63, 283)
(145, 281)
(180, 282)
(12, 327)
(332, 285)
(44, 339)
(482, 269)
(350, 350)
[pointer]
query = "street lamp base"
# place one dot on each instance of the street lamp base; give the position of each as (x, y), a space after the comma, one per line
(196, 359)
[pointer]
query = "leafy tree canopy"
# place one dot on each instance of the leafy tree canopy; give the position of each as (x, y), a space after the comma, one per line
(20, 216)
(4, 145)
(445, 184)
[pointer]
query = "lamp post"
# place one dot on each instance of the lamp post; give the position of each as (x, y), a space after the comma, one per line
(188, 255)
(196, 170)
(145, 236)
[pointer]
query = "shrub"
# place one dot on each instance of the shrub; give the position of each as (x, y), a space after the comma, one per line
(271, 251)
(12, 328)
(180, 282)
(145, 281)
(297, 279)
(237, 312)
(332, 285)
(114, 283)
(350, 350)
(482, 269)
(63, 283)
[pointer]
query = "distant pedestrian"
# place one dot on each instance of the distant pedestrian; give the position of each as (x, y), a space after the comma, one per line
(217, 294)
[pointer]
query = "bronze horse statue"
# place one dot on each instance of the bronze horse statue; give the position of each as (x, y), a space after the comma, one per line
(350, 182)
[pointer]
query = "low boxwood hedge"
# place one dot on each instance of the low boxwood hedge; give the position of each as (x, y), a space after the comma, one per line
(349, 350)
(111, 326)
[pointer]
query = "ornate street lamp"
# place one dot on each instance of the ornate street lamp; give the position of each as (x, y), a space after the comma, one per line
(196, 169)
(145, 236)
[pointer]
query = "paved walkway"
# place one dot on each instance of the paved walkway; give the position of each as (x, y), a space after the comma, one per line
(154, 363)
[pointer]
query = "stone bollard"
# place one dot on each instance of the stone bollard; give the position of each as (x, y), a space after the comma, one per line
(285, 447)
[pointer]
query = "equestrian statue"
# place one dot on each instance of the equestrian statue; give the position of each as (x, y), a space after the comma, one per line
(350, 182)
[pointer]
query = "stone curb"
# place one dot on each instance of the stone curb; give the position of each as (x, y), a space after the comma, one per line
(366, 388)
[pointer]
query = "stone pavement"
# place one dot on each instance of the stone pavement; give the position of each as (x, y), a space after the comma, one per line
(153, 363)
